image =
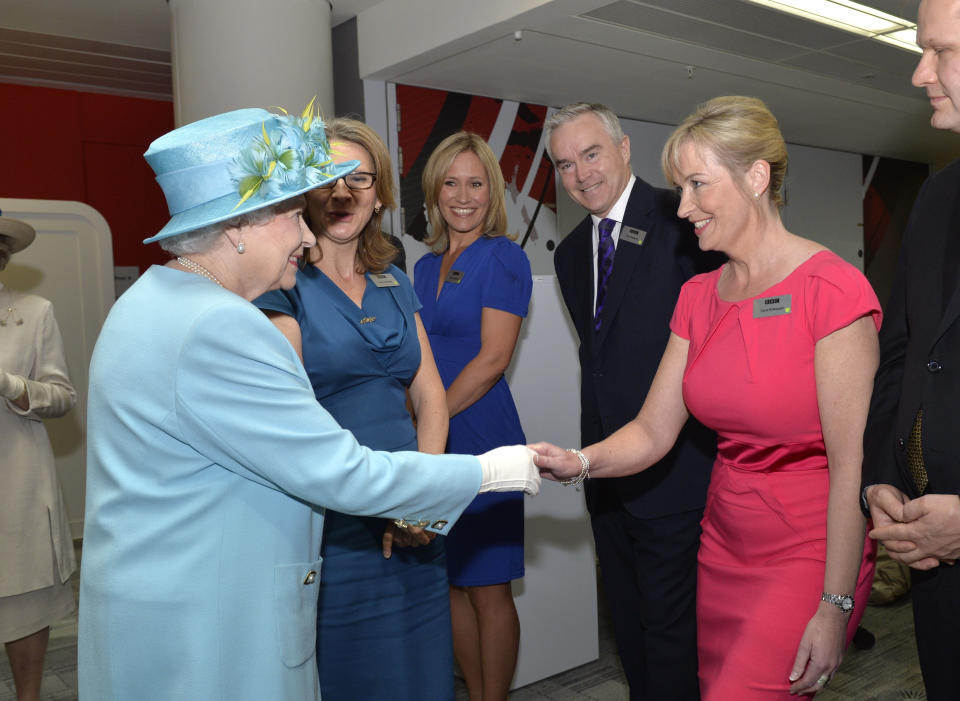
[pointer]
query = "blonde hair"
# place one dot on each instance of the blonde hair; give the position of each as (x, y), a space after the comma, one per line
(435, 172)
(738, 131)
(374, 250)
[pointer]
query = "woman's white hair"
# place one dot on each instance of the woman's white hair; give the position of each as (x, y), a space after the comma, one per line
(202, 240)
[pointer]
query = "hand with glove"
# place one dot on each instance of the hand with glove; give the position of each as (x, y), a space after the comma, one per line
(509, 469)
(12, 387)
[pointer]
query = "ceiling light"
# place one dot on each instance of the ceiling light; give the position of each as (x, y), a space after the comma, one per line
(852, 17)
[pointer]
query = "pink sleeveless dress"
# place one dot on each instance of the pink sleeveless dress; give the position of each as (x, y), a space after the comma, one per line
(750, 377)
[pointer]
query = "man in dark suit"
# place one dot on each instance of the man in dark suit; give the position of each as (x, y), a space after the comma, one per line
(911, 470)
(646, 526)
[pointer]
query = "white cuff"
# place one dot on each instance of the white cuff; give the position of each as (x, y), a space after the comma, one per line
(509, 469)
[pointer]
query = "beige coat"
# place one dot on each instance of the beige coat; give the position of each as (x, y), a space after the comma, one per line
(34, 531)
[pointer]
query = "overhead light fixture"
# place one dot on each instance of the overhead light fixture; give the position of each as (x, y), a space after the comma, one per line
(852, 17)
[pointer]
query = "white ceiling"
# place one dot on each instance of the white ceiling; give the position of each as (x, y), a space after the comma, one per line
(827, 87)
(120, 46)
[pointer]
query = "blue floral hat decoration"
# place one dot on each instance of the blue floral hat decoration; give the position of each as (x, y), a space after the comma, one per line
(238, 162)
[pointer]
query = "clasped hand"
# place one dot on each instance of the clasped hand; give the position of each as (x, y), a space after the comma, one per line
(922, 532)
(12, 386)
(409, 537)
(555, 463)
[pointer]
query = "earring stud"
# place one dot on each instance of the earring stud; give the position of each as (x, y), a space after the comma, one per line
(241, 248)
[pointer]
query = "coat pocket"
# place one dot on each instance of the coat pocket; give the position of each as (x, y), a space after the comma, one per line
(295, 589)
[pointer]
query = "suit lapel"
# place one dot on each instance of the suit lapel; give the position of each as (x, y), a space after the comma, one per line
(628, 254)
(581, 258)
(951, 253)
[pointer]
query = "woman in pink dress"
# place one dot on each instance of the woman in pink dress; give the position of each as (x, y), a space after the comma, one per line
(776, 351)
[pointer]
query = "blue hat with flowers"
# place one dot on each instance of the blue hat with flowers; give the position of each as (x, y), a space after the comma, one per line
(238, 162)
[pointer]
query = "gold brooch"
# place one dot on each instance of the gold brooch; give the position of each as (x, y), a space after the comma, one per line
(368, 319)
(6, 318)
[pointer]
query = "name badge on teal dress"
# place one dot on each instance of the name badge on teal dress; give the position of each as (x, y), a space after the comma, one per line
(383, 280)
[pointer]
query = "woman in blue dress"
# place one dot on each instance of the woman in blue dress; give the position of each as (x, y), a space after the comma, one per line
(383, 623)
(475, 288)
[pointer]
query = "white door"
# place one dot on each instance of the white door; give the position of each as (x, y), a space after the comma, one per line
(71, 264)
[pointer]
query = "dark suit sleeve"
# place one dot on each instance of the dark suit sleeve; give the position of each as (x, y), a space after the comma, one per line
(879, 464)
(561, 264)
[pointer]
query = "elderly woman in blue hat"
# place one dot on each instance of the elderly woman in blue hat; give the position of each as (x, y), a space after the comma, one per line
(210, 460)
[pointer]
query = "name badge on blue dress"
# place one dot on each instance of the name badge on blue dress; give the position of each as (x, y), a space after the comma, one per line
(454, 276)
(771, 306)
(384, 280)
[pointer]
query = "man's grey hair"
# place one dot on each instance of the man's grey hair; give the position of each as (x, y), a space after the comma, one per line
(611, 122)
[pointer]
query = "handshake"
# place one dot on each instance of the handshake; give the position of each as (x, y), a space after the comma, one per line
(516, 468)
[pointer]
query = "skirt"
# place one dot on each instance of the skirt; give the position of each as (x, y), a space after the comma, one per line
(24, 614)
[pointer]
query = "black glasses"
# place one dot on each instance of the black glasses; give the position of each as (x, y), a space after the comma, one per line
(357, 180)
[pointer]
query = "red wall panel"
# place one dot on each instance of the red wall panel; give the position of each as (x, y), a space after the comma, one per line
(69, 145)
(40, 152)
(121, 186)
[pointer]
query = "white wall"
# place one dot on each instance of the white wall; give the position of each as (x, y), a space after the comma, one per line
(557, 599)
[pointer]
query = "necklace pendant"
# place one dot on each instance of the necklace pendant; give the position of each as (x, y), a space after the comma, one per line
(6, 318)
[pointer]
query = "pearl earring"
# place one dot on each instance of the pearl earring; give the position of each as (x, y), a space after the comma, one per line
(240, 247)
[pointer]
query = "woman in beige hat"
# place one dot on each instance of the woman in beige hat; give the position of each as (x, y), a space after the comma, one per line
(35, 544)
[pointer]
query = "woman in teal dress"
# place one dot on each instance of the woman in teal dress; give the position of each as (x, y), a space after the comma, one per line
(383, 615)
(475, 289)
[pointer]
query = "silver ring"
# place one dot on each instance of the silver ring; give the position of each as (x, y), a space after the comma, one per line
(822, 681)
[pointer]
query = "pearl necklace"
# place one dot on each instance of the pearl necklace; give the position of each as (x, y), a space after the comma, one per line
(195, 267)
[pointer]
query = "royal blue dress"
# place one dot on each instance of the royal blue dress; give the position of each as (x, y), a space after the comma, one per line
(486, 545)
(383, 626)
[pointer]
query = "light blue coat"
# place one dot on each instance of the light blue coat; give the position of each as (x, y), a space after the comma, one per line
(207, 451)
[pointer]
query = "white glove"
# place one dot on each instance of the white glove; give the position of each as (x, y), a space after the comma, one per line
(11, 386)
(509, 469)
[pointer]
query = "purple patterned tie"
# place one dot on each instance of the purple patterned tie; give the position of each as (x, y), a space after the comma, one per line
(605, 251)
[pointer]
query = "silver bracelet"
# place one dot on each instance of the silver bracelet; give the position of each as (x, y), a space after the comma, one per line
(584, 469)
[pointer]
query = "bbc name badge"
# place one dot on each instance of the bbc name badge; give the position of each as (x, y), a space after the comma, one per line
(632, 235)
(384, 280)
(771, 306)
